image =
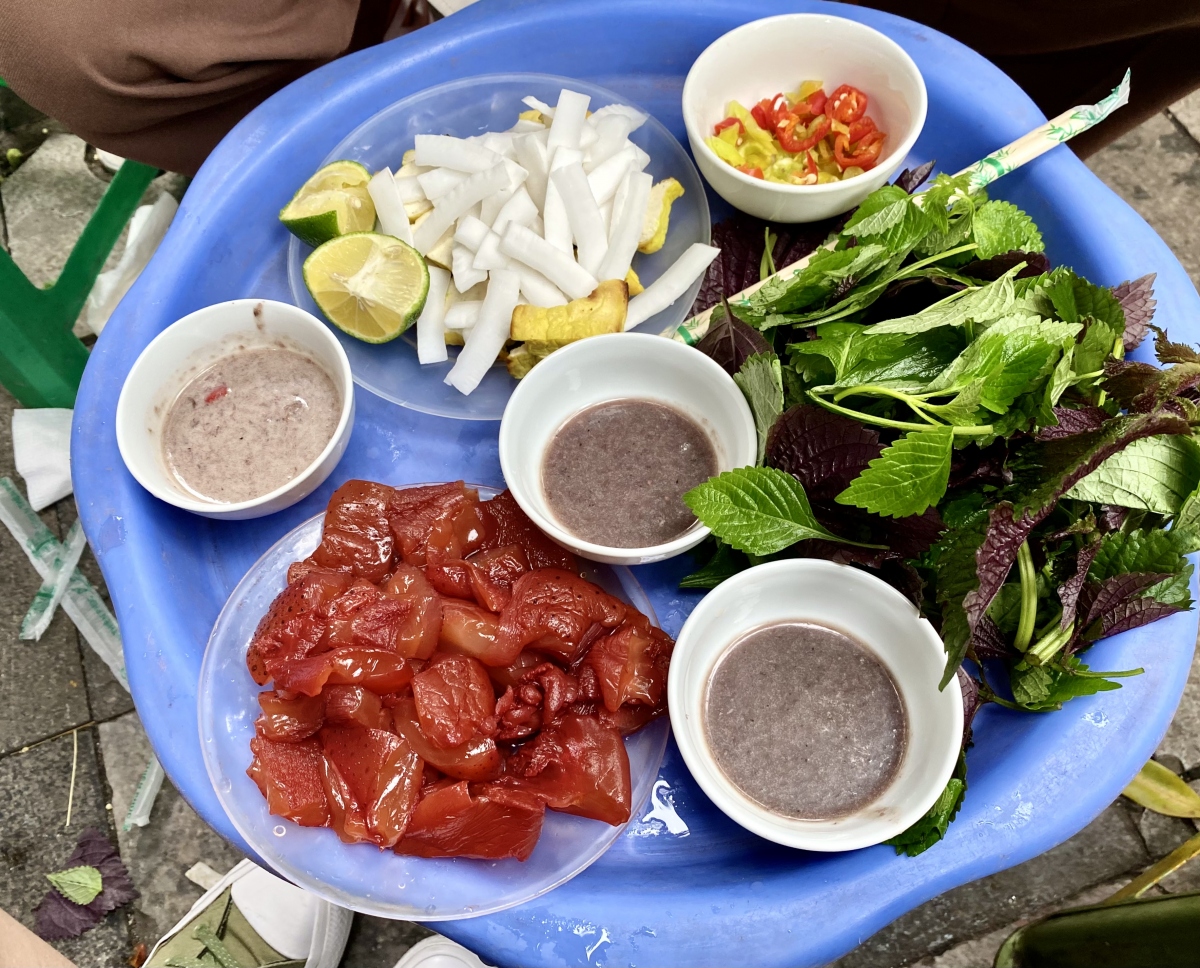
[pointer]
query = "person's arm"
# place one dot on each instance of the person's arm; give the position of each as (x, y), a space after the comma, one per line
(21, 948)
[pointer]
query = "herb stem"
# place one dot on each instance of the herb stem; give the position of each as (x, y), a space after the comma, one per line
(1122, 674)
(1028, 598)
(1048, 646)
(871, 389)
(867, 418)
(930, 260)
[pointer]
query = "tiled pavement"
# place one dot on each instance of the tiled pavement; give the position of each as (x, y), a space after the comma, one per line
(59, 703)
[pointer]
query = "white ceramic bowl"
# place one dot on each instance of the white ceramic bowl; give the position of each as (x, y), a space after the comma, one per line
(765, 57)
(615, 367)
(864, 607)
(186, 347)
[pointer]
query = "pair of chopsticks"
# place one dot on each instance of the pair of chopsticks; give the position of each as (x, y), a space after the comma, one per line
(1012, 156)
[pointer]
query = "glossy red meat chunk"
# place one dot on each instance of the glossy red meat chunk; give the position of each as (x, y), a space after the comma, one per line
(289, 720)
(454, 700)
(578, 765)
(477, 759)
(470, 630)
(357, 537)
(380, 781)
(294, 624)
(289, 776)
(507, 524)
(418, 633)
(631, 665)
(492, 574)
(379, 670)
(557, 612)
(482, 821)
(451, 578)
(442, 518)
(365, 617)
(354, 706)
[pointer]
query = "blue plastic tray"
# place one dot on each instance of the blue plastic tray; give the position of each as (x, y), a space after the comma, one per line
(717, 896)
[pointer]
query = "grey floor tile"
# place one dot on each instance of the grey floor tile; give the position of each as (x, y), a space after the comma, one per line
(106, 696)
(1102, 851)
(1183, 735)
(1162, 835)
(42, 686)
(380, 943)
(1156, 168)
(981, 952)
(47, 202)
(1187, 113)
(158, 854)
(34, 841)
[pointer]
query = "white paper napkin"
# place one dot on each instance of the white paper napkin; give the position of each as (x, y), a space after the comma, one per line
(146, 230)
(42, 449)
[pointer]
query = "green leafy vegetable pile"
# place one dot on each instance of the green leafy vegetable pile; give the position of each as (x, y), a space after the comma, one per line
(938, 405)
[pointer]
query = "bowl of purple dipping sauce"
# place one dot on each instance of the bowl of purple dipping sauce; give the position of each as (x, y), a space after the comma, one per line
(603, 437)
(804, 698)
(237, 410)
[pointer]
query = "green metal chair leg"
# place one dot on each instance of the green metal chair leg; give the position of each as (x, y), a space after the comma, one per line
(41, 361)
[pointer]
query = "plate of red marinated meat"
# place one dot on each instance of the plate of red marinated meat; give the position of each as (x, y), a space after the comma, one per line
(418, 706)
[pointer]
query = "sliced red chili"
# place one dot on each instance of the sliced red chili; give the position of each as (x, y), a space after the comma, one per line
(816, 102)
(847, 104)
(860, 128)
(810, 164)
(728, 123)
(752, 172)
(865, 153)
(769, 111)
(813, 133)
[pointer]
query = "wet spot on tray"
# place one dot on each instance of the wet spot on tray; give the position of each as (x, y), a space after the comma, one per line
(662, 816)
(603, 939)
(110, 534)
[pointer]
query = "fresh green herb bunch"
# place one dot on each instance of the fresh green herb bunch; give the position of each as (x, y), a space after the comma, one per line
(938, 405)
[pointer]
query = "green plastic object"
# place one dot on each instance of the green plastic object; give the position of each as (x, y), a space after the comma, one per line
(1155, 932)
(41, 360)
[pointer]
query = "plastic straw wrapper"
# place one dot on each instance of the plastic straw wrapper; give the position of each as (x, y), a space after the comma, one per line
(81, 602)
(1054, 132)
(985, 171)
(147, 792)
(48, 597)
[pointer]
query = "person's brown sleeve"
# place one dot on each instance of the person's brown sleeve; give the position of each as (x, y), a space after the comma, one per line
(162, 81)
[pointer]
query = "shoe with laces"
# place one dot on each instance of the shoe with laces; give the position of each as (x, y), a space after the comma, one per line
(253, 919)
(439, 952)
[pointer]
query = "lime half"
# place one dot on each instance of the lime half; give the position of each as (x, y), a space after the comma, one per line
(368, 285)
(334, 202)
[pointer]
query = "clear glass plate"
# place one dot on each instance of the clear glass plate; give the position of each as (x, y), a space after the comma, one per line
(359, 876)
(470, 106)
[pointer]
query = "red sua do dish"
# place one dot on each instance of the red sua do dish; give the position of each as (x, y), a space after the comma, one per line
(442, 674)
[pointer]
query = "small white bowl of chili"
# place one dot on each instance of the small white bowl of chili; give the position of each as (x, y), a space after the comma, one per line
(766, 57)
(237, 410)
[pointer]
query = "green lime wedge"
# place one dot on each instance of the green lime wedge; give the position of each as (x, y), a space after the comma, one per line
(334, 202)
(368, 285)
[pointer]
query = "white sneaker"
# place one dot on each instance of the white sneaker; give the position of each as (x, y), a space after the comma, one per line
(301, 927)
(439, 952)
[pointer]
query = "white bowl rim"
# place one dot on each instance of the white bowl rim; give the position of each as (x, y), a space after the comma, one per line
(668, 549)
(721, 790)
(919, 114)
(178, 498)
